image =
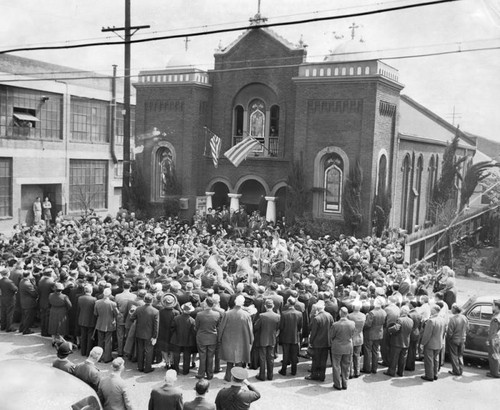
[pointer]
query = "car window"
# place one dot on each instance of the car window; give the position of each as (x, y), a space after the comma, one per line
(486, 312)
(475, 313)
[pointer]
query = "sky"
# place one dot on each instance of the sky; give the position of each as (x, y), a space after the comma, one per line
(467, 82)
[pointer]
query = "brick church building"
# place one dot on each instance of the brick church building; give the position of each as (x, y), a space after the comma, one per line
(325, 115)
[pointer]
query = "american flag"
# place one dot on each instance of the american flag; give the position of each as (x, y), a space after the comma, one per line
(215, 148)
(240, 151)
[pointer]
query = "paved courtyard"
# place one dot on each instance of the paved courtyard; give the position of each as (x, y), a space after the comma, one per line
(472, 391)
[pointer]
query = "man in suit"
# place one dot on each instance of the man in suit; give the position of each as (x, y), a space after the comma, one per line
(113, 390)
(29, 302)
(87, 370)
(266, 328)
(183, 337)
(493, 341)
(86, 320)
(122, 300)
(319, 340)
(7, 299)
(456, 334)
(400, 342)
(106, 312)
(432, 342)
(393, 313)
(290, 336)
(415, 335)
(374, 324)
(222, 313)
(342, 334)
(206, 324)
(45, 288)
(200, 403)
(147, 326)
(166, 396)
(359, 320)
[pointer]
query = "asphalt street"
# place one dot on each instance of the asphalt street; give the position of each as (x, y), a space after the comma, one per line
(473, 390)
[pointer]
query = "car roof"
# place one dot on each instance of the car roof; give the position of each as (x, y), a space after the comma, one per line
(483, 299)
(34, 385)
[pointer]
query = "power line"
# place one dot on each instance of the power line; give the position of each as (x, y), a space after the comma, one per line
(201, 26)
(227, 30)
(401, 57)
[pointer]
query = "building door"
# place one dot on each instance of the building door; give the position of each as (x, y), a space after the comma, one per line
(29, 194)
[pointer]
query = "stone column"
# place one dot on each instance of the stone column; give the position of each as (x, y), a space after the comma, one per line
(209, 199)
(271, 209)
(235, 202)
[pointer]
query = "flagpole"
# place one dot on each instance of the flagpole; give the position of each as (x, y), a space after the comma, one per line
(205, 148)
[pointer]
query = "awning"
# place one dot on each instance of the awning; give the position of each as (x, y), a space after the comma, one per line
(25, 117)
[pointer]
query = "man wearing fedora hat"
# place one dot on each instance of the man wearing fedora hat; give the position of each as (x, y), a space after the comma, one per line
(183, 337)
(106, 311)
(236, 397)
(8, 291)
(146, 333)
(62, 362)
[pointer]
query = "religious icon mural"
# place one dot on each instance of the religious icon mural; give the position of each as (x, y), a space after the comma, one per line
(168, 183)
(257, 122)
(333, 183)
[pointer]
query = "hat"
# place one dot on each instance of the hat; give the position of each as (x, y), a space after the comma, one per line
(169, 301)
(106, 292)
(45, 249)
(148, 298)
(59, 286)
(239, 373)
(64, 349)
(187, 307)
(239, 301)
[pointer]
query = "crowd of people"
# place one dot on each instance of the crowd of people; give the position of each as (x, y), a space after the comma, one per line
(162, 291)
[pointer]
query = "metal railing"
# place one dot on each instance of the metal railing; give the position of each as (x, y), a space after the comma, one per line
(270, 148)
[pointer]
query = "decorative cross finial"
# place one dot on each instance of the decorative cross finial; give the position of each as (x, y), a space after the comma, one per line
(186, 41)
(353, 28)
(257, 19)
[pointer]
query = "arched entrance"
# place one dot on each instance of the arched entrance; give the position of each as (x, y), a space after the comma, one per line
(280, 203)
(220, 197)
(252, 196)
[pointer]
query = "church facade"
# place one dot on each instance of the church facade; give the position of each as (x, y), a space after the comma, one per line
(324, 116)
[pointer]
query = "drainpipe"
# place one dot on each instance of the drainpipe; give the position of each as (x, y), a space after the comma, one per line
(113, 117)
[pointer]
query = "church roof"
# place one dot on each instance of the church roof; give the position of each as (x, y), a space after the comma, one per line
(350, 50)
(271, 33)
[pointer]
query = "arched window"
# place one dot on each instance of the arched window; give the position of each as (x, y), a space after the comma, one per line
(430, 185)
(238, 121)
(274, 123)
(418, 187)
(257, 119)
(382, 175)
(406, 169)
(333, 183)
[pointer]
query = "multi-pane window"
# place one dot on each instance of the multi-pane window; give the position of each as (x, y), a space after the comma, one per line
(88, 184)
(333, 183)
(89, 120)
(5, 187)
(30, 114)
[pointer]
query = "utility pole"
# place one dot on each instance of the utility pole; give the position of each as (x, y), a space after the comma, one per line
(126, 100)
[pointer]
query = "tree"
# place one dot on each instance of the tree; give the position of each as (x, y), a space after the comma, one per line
(352, 198)
(298, 196)
(474, 175)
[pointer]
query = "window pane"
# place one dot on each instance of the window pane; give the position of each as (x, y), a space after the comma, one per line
(88, 184)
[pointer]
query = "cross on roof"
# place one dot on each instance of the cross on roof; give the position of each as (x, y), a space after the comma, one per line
(258, 19)
(353, 28)
(186, 41)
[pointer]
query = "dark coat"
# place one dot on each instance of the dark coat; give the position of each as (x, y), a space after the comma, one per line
(58, 317)
(8, 289)
(165, 397)
(375, 320)
(457, 328)
(206, 324)
(183, 333)
(165, 328)
(417, 322)
(28, 294)
(86, 315)
(147, 322)
(45, 288)
(321, 325)
(199, 403)
(267, 326)
(236, 336)
(401, 332)
(342, 334)
(290, 326)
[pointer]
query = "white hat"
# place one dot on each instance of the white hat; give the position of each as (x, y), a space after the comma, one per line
(240, 300)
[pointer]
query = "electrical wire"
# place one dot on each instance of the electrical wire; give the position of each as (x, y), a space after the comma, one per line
(227, 30)
(401, 57)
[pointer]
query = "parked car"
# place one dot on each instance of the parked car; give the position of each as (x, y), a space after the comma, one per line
(479, 311)
(26, 384)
